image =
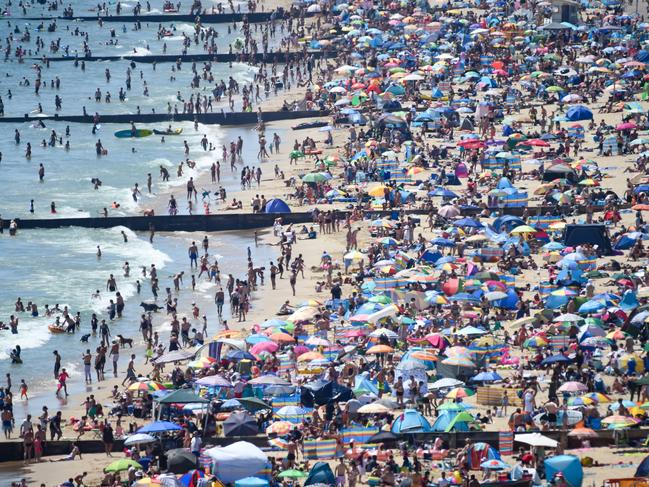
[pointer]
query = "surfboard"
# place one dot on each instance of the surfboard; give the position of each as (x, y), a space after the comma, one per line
(125, 134)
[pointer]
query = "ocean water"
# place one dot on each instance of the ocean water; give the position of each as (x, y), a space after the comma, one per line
(61, 266)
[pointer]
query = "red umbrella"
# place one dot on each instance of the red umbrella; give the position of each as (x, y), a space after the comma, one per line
(626, 126)
(537, 143)
(451, 287)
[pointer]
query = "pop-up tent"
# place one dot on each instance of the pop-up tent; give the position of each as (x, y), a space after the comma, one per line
(643, 468)
(411, 421)
(568, 465)
(594, 234)
(236, 461)
(320, 474)
(276, 205)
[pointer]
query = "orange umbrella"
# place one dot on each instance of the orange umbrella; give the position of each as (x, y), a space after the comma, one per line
(309, 356)
(380, 349)
(282, 337)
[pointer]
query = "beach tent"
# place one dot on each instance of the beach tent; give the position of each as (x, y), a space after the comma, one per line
(568, 465)
(579, 112)
(411, 421)
(322, 392)
(507, 223)
(575, 235)
(452, 420)
(240, 424)
(236, 461)
(321, 474)
(276, 205)
(643, 468)
(481, 452)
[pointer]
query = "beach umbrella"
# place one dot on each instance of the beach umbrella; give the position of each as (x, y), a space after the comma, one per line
(597, 397)
(554, 359)
(269, 380)
(180, 461)
(445, 383)
(537, 341)
(536, 439)
(384, 332)
(494, 464)
(122, 465)
(269, 346)
(290, 411)
(139, 439)
(316, 177)
(377, 349)
(292, 474)
(495, 295)
(459, 392)
(240, 424)
(449, 211)
(148, 385)
(458, 362)
(568, 317)
(582, 432)
(619, 421)
(282, 337)
(159, 427)
(280, 428)
(592, 306)
(237, 355)
(522, 229)
(373, 408)
(256, 338)
(310, 356)
(572, 386)
(202, 363)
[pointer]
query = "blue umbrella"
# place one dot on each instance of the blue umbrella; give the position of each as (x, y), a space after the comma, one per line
(240, 355)
(487, 377)
(254, 339)
(443, 242)
(158, 427)
(555, 359)
(592, 306)
(468, 222)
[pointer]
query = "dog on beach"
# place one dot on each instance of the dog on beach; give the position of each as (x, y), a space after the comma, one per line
(125, 341)
(150, 306)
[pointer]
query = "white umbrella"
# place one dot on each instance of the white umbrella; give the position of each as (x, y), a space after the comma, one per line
(383, 331)
(318, 342)
(139, 439)
(536, 439)
(568, 317)
(446, 383)
(495, 295)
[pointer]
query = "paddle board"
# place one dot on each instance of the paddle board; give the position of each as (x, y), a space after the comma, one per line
(125, 134)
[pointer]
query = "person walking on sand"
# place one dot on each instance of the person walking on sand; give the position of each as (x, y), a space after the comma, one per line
(131, 376)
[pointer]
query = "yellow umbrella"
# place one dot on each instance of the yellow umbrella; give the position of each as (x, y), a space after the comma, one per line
(522, 229)
(377, 190)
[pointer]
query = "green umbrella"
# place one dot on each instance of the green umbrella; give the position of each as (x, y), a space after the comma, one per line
(314, 177)
(253, 404)
(296, 153)
(292, 474)
(554, 89)
(122, 465)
